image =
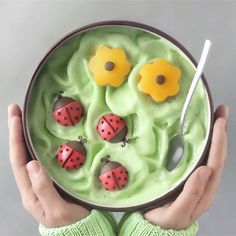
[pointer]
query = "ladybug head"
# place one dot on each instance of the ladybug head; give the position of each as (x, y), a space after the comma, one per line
(61, 101)
(108, 165)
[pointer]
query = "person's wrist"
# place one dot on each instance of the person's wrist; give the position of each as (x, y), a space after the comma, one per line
(96, 223)
(83, 212)
(136, 224)
(72, 213)
(166, 222)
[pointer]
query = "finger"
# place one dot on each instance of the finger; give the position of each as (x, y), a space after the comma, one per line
(191, 194)
(222, 111)
(32, 204)
(43, 188)
(13, 110)
(217, 156)
(18, 162)
(18, 155)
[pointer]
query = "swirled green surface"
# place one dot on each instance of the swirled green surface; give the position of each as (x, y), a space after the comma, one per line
(151, 125)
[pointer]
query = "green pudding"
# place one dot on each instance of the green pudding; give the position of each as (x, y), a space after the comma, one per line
(151, 125)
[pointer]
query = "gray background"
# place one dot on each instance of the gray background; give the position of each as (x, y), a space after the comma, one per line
(29, 28)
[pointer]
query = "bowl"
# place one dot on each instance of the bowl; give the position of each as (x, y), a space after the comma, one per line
(122, 169)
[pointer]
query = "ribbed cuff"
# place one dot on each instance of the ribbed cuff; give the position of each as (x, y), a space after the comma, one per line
(135, 225)
(95, 224)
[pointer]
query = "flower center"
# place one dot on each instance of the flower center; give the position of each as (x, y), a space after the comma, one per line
(160, 79)
(109, 66)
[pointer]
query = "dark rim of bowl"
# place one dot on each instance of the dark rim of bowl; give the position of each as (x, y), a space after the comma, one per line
(170, 195)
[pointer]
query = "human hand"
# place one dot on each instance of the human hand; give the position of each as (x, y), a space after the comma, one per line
(200, 189)
(39, 197)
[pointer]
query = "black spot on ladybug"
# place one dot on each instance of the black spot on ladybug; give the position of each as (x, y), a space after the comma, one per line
(119, 178)
(77, 158)
(67, 149)
(59, 113)
(71, 160)
(107, 189)
(61, 161)
(125, 178)
(121, 172)
(76, 117)
(74, 166)
(106, 183)
(64, 118)
(108, 176)
(81, 163)
(126, 172)
(100, 181)
(71, 108)
(105, 139)
(111, 120)
(58, 121)
(77, 109)
(114, 187)
(102, 121)
(102, 130)
(117, 121)
(112, 114)
(109, 133)
(116, 128)
(61, 151)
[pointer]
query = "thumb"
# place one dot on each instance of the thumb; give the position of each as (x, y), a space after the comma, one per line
(43, 187)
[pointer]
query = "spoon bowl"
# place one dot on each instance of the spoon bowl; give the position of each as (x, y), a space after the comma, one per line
(176, 152)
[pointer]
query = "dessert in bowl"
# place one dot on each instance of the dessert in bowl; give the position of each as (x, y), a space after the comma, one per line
(101, 109)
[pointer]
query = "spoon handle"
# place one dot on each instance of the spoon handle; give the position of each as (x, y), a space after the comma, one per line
(197, 76)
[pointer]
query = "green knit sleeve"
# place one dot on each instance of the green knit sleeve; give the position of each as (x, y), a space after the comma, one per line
(133, 224)
(97, 223)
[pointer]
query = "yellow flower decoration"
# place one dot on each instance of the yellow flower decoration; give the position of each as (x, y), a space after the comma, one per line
(109, 66)
(160, 80)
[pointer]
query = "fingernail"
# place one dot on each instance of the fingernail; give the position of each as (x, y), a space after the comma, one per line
(204, 175)
(33, 168)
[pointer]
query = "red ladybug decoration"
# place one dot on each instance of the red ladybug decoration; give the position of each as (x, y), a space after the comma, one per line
(72, 155)
(113, 176)
(113, 129)
(66, 111)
